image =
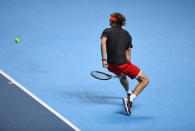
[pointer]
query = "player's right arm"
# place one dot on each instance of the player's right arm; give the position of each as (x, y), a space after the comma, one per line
(103, 52)
(128, 54)
(128, 50)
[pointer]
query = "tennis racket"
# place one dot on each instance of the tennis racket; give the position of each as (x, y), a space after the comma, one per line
(102, 76)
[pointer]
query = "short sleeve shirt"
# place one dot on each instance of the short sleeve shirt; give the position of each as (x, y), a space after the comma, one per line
(118, 41)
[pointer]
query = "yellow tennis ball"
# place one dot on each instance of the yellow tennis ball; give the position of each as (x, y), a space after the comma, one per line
(17, 40)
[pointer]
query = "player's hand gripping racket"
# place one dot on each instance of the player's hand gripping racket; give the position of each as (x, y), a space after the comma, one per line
(102, 76)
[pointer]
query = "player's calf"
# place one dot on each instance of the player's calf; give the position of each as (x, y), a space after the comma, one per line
(125, 83)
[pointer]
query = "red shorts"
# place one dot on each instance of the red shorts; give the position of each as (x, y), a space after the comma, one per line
(128, 69)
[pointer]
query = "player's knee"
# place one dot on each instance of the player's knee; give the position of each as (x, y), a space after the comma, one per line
(144, 79)
(123, 77)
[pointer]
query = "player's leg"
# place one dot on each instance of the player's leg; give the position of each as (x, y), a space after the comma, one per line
(125, 83)
(135, 73)
(126, 100)
(143, 82)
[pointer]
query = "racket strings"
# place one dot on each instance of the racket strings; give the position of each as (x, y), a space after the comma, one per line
(100, 75)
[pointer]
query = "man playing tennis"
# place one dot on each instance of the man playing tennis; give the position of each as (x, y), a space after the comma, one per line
(117, 43)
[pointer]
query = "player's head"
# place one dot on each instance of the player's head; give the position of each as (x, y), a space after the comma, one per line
(117, 19)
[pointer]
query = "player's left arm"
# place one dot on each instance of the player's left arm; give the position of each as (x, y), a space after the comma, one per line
(128, 54)
(103, 52)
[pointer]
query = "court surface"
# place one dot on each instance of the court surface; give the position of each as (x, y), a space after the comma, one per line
(22, 110)
(60, 45)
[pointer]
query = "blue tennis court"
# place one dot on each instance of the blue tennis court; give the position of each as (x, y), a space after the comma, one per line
(59, 47)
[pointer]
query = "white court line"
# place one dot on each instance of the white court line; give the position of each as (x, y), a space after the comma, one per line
(40, 101)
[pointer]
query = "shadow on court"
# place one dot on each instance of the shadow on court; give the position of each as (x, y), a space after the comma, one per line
(135, 118)
(90, 97)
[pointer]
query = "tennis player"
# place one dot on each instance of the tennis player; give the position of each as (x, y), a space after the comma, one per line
(116, 44)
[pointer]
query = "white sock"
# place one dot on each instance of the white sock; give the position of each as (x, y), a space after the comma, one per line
(129, 92)
(132, 97)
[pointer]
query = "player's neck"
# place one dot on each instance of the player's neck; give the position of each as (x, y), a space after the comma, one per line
(115, 26)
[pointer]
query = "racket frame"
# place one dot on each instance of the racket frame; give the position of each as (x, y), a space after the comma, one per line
(109, 76)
